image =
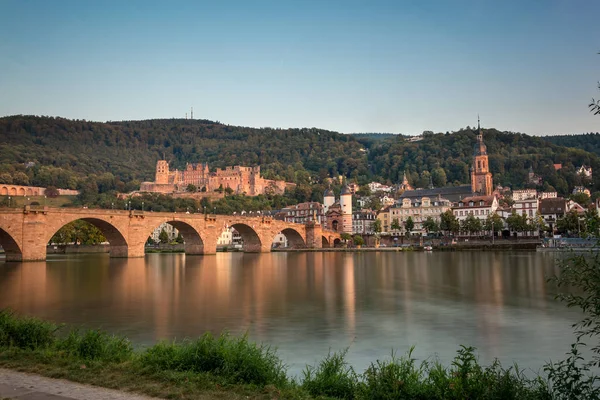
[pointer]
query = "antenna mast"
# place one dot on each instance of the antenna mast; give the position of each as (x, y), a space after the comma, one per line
(192, 113)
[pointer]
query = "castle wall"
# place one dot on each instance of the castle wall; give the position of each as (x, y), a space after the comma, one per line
(238, 178)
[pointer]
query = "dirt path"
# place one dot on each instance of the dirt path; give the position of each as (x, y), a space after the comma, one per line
(23, 386)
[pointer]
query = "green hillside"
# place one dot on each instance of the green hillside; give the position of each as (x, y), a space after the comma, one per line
(510, 154)
(118, 155)
(586, 141)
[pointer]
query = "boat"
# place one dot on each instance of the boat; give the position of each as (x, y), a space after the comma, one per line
(427, 248)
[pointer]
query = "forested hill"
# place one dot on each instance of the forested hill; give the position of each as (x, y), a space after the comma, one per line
(587, 141)
(130, 149)
(64, 151)
(447, 157)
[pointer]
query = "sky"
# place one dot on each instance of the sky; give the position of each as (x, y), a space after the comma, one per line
(349, 66)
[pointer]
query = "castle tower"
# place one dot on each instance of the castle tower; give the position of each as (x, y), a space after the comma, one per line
(328, 200)
(346, 206)
(481, 177)
(162, 172)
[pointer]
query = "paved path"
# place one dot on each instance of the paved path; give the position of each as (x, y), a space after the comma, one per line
(22, 386)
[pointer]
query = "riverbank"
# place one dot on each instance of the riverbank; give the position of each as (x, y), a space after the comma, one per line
(233, 367)
(455, 247)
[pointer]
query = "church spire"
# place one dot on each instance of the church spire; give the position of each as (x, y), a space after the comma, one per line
(478, 125)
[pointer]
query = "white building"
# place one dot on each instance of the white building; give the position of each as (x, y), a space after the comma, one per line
(548, 195)
(418, 210)
(280, 241)
(387, 201)
(378, 187)
(524, 194)
(526, 202)
(362, 221)
(479, 206)
(585, 171)
(303, 213)
(171, 232)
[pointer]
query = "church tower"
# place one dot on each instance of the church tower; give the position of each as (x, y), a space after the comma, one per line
(481, 177)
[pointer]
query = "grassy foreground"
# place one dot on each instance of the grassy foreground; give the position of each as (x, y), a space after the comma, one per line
(230, 367)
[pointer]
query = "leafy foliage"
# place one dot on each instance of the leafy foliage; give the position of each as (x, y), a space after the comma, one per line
(575, 377)
(79, 232)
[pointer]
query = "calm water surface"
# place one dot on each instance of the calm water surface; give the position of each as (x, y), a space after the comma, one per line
(308, 303)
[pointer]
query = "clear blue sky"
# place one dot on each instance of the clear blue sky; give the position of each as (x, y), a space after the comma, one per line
(351, 66)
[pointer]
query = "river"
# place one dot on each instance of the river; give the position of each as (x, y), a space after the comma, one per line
(308, 303)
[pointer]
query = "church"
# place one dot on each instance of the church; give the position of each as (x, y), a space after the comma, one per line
(481, 178)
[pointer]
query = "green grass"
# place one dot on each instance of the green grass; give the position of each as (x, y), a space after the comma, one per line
(233, 367)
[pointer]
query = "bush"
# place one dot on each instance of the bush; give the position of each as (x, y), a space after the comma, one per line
(466, 379)
(332, 377)
(395, 379)
(236, 359)
(94, 345)
(25, 332)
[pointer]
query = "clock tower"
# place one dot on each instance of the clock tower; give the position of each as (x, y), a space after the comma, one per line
(481, 177)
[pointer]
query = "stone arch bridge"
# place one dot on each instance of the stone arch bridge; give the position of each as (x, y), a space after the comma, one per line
(25, 233)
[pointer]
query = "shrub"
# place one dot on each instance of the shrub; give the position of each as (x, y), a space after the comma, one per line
(25, 332)
(95, 345)
(235, 359)
(332, 377)
(395, 379)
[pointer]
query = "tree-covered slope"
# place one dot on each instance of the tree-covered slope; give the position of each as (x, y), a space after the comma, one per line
(587, 141)
(130, 149)
(65, 151)
(510, 154)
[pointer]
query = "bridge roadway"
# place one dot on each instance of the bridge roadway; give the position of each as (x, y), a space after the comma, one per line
(25, 232)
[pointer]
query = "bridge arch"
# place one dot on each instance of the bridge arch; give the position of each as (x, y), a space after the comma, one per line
(325, 242)
(118, 244)
(192, 241)
(12, 250)
(252, 242)
(294, 238)
(4, 191)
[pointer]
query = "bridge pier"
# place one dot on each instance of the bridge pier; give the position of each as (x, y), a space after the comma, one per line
(314, 236)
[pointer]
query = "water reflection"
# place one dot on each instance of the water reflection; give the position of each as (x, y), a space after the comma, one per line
(308, 303)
